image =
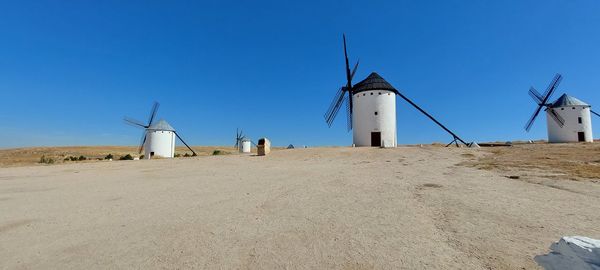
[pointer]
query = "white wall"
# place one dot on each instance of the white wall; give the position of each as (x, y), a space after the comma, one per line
(161, 142)
(568, 133)
(246, 147)
(364, 120)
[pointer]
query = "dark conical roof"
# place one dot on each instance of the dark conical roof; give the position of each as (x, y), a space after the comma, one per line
(373, 82)
(568, 101)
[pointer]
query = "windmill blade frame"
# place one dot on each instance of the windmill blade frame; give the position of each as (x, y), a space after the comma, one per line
(142, 142)
(349, 74)
(537, 97)
(595, 113)
(340, 96)
(153, 113)
(544, 101)
(533, 117)
(333, 103)
(239, 136)
(552, 87)
(354, 70)
(335, 106)
(348, 114)
(134, 122)
(556, 117)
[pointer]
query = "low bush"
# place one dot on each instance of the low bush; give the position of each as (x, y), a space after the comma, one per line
(81, 158)
(109, 156)
(126, 157)
(46, 160)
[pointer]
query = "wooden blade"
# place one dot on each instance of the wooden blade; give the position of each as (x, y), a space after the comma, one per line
(348, 73)
(133, 122)
(595, 113)
(551, 88)
(532, 118)
(153, 113)
(348, 112)
(537, 97)
(354, 70)
(556, 117)
(143, 141)
(335, 106)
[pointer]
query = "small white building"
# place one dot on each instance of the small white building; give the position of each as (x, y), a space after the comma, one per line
(577, 121)
(160, 140)
(374, 112)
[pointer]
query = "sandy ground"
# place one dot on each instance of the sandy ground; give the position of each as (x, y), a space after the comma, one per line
(28, 156)
(333, 208)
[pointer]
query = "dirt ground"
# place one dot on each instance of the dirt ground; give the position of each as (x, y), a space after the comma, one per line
(318, 208)
(31, 155)
(575, 161)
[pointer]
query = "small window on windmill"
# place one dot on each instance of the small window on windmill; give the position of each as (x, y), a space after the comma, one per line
(380, 93)
(579, 119)
(364, 94)
(375, 113)
(388, 94)
(562, 109)
(573, 108)
(371, 93)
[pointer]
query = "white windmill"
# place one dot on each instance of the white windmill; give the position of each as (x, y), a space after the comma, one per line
(568, 118)
(242, 143)
(158, 139)
(371, 109)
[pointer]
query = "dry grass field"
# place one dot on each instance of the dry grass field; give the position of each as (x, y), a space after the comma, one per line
(579, 162)
(31, 155)
(319, 208)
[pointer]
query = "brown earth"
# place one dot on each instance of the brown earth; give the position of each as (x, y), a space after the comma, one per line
(577, 161)
(31, 155)
(319, 208)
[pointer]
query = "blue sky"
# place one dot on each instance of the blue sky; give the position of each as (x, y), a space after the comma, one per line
(70, 70)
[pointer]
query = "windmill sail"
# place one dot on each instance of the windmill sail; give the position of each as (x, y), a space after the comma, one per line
(542, 101)
(340, 96)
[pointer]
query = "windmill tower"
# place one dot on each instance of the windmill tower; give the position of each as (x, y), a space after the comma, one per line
(371, 109)
(243, 144)
(158, 139)
(568, 118)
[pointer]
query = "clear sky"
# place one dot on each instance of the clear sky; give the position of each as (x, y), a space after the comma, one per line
(70, 70)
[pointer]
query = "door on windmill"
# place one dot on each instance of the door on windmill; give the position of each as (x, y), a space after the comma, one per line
(376, 139)
(581, 136)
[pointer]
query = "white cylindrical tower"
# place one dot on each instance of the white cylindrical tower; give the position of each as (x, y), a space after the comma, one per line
(246, 146)
(577, 121)
(374, 112)
(160, 141)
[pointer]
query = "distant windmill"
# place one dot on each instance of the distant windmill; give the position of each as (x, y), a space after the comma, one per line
(242, 144)
(571, 117)
(158, 138)
(371, 109)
